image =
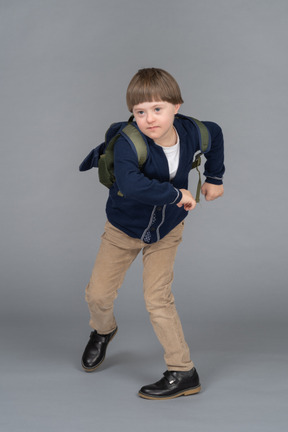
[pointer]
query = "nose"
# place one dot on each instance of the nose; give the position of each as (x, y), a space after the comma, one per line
(150, 117)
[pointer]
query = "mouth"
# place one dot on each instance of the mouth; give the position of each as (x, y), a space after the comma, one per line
(153, 128)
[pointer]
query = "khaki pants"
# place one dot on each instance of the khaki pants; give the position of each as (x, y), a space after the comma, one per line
(116, 254)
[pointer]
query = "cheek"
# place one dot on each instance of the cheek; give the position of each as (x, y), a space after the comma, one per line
(140, 123)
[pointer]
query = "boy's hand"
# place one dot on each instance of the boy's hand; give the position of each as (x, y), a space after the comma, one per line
(187, 200)
(211, 191)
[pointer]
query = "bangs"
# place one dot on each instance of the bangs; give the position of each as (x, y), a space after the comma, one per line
(147, 94)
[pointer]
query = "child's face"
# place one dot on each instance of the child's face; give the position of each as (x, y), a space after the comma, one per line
(155, 120)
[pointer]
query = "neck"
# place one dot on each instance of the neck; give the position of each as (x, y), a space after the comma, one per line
(169, 140)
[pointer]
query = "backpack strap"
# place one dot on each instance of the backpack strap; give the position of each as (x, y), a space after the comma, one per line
(137, 142)
(196, 163)
(202, 130)
(204, 135)
(204, 144)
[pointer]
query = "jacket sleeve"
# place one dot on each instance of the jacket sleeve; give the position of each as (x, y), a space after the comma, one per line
(133, 184)
(214, 166)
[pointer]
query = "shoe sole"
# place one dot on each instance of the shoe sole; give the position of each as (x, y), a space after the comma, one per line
(186, 392)
(99, 364)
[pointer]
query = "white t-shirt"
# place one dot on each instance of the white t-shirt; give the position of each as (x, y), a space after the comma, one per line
(173, 154)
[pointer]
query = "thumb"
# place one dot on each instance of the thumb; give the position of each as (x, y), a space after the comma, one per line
(203, 190)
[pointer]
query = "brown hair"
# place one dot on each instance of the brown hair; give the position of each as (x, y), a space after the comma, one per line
(152, 84)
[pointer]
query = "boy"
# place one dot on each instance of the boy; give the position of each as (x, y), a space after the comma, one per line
(150, 218)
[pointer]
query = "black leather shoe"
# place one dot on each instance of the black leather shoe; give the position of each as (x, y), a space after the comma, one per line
(174, 384)
(94, 353)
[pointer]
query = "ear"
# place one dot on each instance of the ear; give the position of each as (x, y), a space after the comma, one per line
(177, 107)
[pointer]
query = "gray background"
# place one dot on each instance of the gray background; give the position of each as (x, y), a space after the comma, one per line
(65, 67)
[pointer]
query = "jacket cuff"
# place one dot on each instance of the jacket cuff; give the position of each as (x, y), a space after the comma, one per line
(178, 197)
(214, 180)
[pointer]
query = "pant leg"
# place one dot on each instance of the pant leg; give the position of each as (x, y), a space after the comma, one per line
(116, 253)
(158, 260)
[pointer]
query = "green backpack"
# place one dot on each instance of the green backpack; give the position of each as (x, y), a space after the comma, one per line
(102, 156)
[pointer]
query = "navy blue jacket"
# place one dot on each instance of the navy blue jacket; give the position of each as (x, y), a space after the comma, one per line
(148, 210)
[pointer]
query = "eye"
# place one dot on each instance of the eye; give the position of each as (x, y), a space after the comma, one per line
(157, 109)
(140, 112)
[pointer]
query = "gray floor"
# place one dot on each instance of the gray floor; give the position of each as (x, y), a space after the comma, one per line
(243, 370)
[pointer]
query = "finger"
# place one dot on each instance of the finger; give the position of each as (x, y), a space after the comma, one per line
(190, 206)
